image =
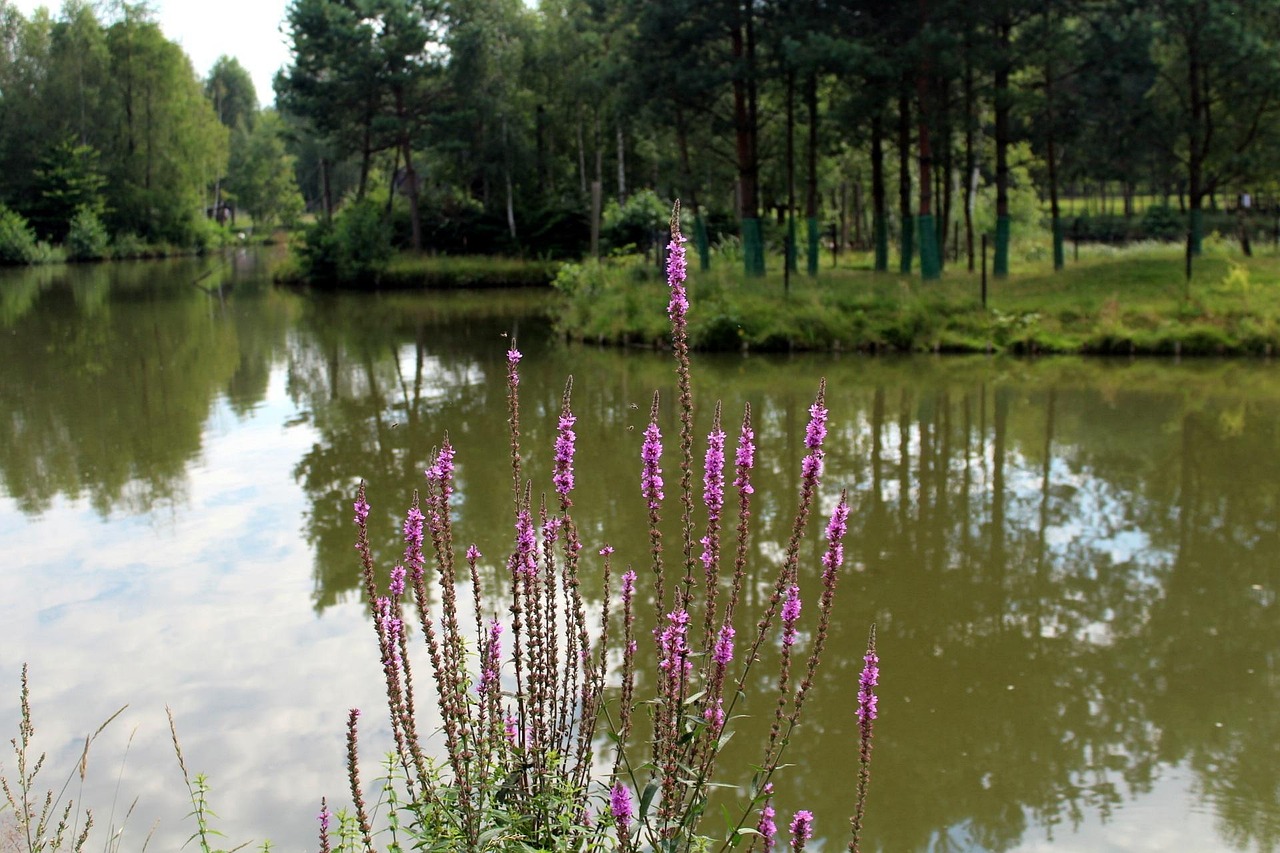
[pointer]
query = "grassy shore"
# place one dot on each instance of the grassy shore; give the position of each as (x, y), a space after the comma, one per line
(407, 271)
(1131, 300)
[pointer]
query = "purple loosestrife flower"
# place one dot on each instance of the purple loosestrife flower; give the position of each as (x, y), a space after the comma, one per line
(628, 593)
(745, 459)
(391, 627)
(620, 807)
(866, 683)
(324, 817)
(397, 581)
(525, 560)
(513, 358)
(442, 471)
(651, 455)
(511, 728)
(714, 715)
(563, 476)
(413, 527)
(673, 644)
(816, 432)
(677, 269)
(790, 614)
(362, 511)
(606, 550)
(413, 559)
(801, 829)
(473, 553)
(723, 652)
(713, 478)
(836, 529)
(766, 827)
(492, 667)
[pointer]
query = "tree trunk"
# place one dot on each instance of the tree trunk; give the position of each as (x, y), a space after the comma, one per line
(1055, 219)
(582, 159)
(946, 178)
(789, 257)
(411, 184)
(811, 202)
(622, 166)
(879, 206)
(1000, 265)
(906, 246)
(1195, 148)
(745, 127)
(970, 155)
(926, 230)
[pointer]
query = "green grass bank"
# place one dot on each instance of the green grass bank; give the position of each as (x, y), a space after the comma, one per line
(1108, 301)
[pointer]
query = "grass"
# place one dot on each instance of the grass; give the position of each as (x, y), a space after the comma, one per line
(1110, 300)
(408, 271)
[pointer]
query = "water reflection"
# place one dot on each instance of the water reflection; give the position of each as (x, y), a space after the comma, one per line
(111, 372)
(1072, 563)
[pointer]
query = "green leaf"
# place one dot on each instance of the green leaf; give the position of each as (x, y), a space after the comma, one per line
(646, 798)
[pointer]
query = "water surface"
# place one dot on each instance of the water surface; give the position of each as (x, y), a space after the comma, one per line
(1072, 564)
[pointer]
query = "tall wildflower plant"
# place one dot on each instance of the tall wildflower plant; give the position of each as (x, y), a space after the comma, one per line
(544, 745)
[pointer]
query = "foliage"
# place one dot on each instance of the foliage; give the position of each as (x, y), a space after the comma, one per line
(355, 247)
(87, 238)
(230, 89)
(17, 240)
(261, 174)
(159, 174)
(637, 223)
(521, 721)
(68, 181)
(1024, 198)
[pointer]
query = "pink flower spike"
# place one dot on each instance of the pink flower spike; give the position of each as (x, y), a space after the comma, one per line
(651, 456)
(620, 806)
(790, 614)
(801, 829)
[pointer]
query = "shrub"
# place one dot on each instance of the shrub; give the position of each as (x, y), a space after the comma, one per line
(128, 245)
(87, 238)
(638, 222)
(355, 247)
(17, 240)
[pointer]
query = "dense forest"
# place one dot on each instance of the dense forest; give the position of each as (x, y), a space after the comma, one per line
(498, 126)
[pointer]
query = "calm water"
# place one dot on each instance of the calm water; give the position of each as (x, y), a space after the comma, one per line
(1073, 565)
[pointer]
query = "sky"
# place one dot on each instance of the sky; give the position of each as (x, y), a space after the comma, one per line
(249, 30)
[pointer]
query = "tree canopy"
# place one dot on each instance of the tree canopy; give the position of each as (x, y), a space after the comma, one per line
(497, 126)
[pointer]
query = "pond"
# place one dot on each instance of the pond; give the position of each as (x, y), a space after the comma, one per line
(1072, 565)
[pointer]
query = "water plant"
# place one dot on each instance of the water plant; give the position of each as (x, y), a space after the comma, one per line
(537, 704)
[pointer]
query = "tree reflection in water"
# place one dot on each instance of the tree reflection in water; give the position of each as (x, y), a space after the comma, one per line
(1072, 564)
(1075, 592)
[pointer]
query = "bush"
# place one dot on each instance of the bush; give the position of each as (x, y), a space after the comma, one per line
(129, 245)
(87, 238)
(638, 222)
(355, 247)
(17, 240)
